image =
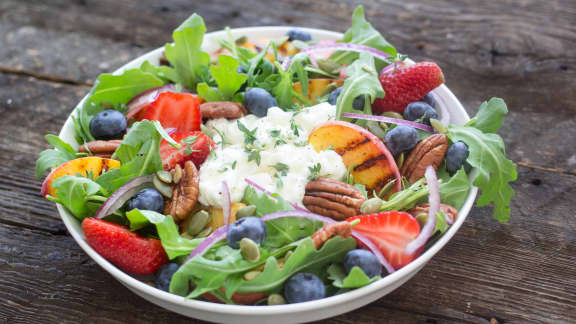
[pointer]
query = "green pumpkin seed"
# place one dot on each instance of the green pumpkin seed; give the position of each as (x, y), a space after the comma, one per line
(251, 275)
(177, 173)
(249, 250)
(276, 299)
(246, 211)
(375, 128)
(163, 188)
(387, 187)
(198, 222)
(205, 232)
(187, 236)
(371, 206)
(392, 114)
(164, 176)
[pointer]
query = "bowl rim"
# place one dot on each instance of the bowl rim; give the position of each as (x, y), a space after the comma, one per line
(135, 284)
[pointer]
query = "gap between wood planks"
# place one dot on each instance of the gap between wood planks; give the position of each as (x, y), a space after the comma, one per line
(61, 80)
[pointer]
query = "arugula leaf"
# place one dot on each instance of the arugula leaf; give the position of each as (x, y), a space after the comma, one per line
(51, 158)
(185, 53)
(72, 191)
(490, 116)
(139, 155)
(242, 54)
(362, 81)
(361, 32)
(304, 258)
(165, 73)
(495, 171)
(114, 90)
(207, 274)
(283, 89)
(227, 77)
(455, 190)
(283, 230)
(172, 242)
(355, 279)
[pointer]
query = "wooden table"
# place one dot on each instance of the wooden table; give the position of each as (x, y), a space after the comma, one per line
(521, 50)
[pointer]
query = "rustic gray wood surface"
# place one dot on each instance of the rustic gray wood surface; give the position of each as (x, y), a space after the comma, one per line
(521, 50)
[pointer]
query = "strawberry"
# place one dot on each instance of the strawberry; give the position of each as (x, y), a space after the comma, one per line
(407, 84)
(174, 110)
(130, 252)
(195, 149)
(391, 232)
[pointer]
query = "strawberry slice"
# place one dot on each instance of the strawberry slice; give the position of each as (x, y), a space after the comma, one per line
(407, 84)
(174, 110)
(391, 232)
(130, 252)
(195, 147)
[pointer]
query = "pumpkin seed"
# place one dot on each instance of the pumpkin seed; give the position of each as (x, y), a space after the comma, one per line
(187, 236)
(246, 211)
(387, 187)
(251, 275)
(205, 232)
(371, 206)
(392, 114)
(375, 128)
(163, 188)
(276, 299)
(198, 222)
(249, 250)
(164, 176)
(177, 173)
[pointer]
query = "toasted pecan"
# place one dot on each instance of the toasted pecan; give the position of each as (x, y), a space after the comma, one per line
(332, 198)
(103, 149)
(185, 193)
(330, 230)
(430, 151)
(222, 109)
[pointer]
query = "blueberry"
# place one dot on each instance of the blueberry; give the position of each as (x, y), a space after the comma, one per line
(429, 99)
(401, 138)
(364, 259)
(108, 124)
(456, 156)
(164, 276)
(147, 199)
(419, 109)
(303, 287)
(357, 104)
(251, 227)
(297, 34)
(258, 100)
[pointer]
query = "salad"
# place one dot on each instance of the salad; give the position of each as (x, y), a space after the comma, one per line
(265, 174)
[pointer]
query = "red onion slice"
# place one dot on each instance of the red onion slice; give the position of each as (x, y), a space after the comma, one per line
(226, 203)
(145, 98)
(207, 243)
(123, 194)
(341, 47)
(391, 121)
(434, 200)
(372, 247)
(260, 188)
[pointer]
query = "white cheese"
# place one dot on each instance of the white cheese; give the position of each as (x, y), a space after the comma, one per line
(285, 155)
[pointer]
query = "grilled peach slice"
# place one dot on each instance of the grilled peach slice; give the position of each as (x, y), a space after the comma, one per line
(317, 88)
(217, 219)
(368, 158)
(91, 166)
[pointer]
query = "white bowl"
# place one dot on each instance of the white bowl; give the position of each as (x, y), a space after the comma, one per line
(294, 313)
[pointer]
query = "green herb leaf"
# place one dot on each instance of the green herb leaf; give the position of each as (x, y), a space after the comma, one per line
(495, 171)
(305, 258)
(255, 156)
(185, 54)
(281, 168)
(314, 171)
(52, 158)
(139, 155)
(490, 116)
(72, 191)
(227, 77)
(362, 81)
(361, 32)
(172, 242)
(355, 279)
(249, 135)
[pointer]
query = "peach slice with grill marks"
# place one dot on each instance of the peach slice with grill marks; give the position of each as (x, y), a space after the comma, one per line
(368, 158)
(91, 166)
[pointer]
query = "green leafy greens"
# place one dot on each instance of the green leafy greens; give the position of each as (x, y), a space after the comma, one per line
(355, 279)
(228, 79)
(51, 158)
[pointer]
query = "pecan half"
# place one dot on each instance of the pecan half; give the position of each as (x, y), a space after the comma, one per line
(430, 151)
(185, 193)
(332, 198)
(450, 211)
(222, 109)
(103, 149)
(330, 230)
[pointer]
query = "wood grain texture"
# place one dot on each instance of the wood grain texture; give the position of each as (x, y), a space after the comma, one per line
(521, 50)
